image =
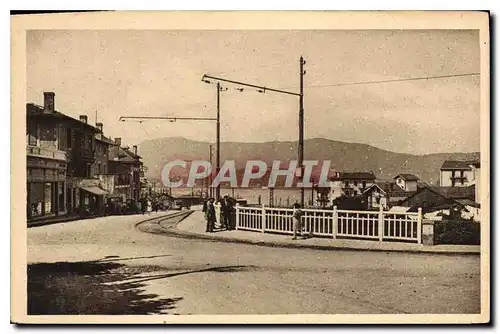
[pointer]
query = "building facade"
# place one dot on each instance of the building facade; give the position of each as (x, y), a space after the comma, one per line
(61, 157)
(126, 165)
(46, 160)
(355, 183)
(407, 182)
(459, 173)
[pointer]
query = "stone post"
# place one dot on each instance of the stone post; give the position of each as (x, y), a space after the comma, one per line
(427, 232)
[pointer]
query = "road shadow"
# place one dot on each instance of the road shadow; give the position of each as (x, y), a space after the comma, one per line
(99, 287)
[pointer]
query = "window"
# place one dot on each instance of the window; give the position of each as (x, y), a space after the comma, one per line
(346, 184)
(104, 170)
(364, 184)
(98, 168)
(355, 183)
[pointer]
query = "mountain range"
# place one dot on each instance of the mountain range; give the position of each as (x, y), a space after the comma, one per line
(344, 157)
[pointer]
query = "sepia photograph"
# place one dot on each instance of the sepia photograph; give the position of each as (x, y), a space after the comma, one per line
(234, 167)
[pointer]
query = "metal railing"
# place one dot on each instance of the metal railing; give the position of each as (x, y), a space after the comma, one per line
(371, 225)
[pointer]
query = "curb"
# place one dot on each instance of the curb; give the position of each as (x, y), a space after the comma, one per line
(63, 220)
(174, 232)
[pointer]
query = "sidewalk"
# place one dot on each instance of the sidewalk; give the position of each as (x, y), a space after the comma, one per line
(194, 225)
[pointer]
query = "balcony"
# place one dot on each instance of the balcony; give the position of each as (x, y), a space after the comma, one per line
(37, 151)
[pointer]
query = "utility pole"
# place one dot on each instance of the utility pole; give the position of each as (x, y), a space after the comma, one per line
(217, 168)
(209, 187)
(301, 128)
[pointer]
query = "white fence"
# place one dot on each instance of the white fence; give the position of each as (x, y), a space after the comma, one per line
(375, 225)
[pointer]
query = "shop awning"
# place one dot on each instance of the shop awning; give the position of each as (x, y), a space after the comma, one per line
(95, 190)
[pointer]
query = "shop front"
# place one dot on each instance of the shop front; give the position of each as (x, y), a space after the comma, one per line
(46, 189)
(92, 197)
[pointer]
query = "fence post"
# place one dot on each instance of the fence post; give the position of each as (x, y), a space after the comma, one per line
(381, 224)
(263, 219)
(237, 218)
(419, 226)
(335, 222)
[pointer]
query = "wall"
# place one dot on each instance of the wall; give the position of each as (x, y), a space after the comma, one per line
(445, 178)
(100, 166)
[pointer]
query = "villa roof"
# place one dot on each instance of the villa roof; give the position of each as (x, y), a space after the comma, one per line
(460, 165)
(407, 177)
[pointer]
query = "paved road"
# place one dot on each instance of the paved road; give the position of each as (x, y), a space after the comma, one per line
(107, 266)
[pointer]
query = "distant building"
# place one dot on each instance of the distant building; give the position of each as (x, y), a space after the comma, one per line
(126, 165)
(407, 182)
(376, 197)
(355, 183)
(100, 166)
(459, 173)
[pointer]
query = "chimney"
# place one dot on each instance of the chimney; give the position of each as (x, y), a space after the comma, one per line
(135, 149)
(48, 101)
(99, 126)
(83, 118)
(118, 141)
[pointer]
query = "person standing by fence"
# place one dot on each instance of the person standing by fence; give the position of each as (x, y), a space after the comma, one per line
(210, 215)
(297, 220)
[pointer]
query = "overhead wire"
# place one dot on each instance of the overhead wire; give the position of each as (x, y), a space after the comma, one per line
(390, 80)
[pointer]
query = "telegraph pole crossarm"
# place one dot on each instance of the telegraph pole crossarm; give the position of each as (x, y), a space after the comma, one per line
(263, 88)
(171, 118)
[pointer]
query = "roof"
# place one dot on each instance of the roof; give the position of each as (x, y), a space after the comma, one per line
(451, 193)
(393, 190)
(125, 155)
(460, 165)
(455, 192)
(100, 137)
(130, 153)
(35, 110)
(373, 186)
(357, 176)
(407, 177)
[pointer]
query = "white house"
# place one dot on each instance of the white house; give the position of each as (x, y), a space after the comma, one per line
(355, 183)
(459, 173)
(407, 182)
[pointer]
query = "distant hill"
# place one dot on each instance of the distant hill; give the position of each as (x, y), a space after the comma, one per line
(343, 156)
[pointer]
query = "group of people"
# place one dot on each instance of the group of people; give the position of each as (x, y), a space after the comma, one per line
(145, 205)
(227, 214)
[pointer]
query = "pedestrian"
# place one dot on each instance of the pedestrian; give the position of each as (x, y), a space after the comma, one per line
(149, 207)
(297, 221)
(230, 213)
(222, 204)
(210, 216)
(139, 207)
(226, 212)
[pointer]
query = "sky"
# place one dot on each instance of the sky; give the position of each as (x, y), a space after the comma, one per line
(158, 73)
